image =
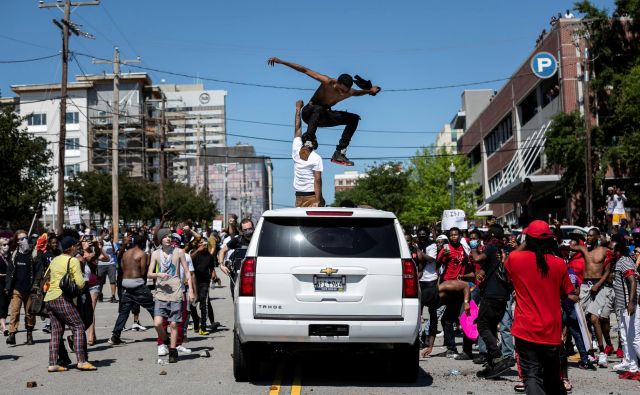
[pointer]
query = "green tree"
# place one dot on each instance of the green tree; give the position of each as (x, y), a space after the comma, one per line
(385, 188)
(186, 203)
(428, 194)
(25, 171)
(91, 191)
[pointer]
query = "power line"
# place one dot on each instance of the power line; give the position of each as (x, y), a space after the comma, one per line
(29, 60)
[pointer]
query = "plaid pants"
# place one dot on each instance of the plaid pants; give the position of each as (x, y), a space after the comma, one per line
(61, 313)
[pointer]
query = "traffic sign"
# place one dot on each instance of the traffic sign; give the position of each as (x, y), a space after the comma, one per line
(544, 65)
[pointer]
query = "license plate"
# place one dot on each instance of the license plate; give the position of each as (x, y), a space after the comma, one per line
(329, 284)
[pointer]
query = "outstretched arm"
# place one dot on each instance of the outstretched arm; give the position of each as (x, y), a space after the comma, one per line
(361, 92)
(313, 74)
(317, 187)
(297, 128)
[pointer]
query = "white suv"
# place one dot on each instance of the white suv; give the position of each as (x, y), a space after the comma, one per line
(327, 277)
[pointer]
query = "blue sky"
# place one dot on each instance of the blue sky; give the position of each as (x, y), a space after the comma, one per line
(403, 44)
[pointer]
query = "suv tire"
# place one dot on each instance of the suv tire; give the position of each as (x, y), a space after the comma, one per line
(405, 362)
(245, 365)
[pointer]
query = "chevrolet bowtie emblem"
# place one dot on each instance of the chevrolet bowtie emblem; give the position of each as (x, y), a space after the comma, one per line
(329, 271)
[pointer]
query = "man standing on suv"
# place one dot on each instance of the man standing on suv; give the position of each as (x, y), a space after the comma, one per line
(239, 244)
(307, 167)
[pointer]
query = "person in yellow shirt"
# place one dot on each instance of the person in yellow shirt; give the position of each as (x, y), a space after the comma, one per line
(61, 311)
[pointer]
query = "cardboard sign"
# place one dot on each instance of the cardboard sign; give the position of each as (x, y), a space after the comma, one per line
(216, 225)
(74, 215)
(453, 219)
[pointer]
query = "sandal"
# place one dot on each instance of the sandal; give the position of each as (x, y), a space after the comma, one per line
(56, 369)
(86, 367)
(91, 342)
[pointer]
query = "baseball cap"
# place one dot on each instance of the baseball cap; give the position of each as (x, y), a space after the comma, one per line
(442, 237)
(538, 230)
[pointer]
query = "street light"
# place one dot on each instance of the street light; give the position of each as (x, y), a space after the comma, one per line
(452, 184)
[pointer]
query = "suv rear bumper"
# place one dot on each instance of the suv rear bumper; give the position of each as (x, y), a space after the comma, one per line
(402, 329)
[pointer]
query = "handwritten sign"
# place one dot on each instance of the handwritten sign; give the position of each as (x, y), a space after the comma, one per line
(74, 215)
(453, 219)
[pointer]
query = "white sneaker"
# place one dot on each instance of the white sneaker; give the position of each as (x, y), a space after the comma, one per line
(183, 350)
(163, 350)
(137, 327)
(624, 366)
(602, 360)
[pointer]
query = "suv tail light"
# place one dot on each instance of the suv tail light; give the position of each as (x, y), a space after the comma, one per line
(409, 279)
(248, 277)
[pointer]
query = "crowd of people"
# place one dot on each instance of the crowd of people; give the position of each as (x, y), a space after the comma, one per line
(539, 300)
(168, 271)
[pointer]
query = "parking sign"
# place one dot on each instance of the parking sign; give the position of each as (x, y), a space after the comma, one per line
(544, 65)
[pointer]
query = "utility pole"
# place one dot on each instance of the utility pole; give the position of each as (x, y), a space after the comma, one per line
(587, 127)
(65, 25)
(163, 159)
(206, 160)
(115, 205)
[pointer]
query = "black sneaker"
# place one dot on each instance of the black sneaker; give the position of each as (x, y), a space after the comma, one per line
(113, 299)
(11, 339)
(587, 365)
(115, 340)
(481, 359)
(340, 158)
(451, 354)
(500, 366)
(463, 357)
(483, 373)
(173, 355)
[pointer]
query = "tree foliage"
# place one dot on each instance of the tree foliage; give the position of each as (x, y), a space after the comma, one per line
(418, 194)
(25, 171)
(429, 193)
(138, 199)
(385, 187)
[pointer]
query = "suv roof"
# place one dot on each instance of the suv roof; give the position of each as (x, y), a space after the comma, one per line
(328, 212)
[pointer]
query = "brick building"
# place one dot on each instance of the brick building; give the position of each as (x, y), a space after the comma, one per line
(507, 139)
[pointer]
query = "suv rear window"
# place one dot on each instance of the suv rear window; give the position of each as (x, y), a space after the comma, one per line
(328, 237)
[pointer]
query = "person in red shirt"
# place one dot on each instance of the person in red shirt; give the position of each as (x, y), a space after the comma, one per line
(454, 292)
(540, 280)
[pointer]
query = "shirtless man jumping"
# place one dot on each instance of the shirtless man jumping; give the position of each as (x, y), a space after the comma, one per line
(596, 290)
(318, 112)
(135, 263)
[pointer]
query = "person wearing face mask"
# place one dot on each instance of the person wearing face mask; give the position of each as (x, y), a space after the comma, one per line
(4, 299)
(239, 244)
(426, 252)
(20, 276)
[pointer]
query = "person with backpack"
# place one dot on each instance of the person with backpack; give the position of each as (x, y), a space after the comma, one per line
(495, 292)
(239, 244)
(21, 272)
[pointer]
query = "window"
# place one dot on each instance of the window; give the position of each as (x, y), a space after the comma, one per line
(529, 107)
(37, 119)
(328, 237)
(499, 135)
(71, 170)
(73, 117)
(103, 142)
(494, 182)
(72, 144)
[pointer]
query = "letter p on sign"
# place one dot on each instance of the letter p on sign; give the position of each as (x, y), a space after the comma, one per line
(544, 65)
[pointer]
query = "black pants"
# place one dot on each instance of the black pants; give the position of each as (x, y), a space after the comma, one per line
(206, 310)
(138, 296)
(431, 300)
(318, 116)
(451, 315)
(540, 367)
(489, 316)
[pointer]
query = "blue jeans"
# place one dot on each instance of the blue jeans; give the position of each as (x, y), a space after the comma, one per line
(570, 320)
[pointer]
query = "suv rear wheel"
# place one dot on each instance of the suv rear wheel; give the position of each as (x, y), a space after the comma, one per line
(405, 362)
(245, 364)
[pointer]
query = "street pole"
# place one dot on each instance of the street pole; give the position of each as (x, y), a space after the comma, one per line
(587, 124)
(226, 189)
(163, 162)
(115, 167)
(64, 26)
(452, 183)
(198, 154)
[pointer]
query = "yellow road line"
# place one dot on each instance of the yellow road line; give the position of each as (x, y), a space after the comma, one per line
(296, 386)
(277, 381)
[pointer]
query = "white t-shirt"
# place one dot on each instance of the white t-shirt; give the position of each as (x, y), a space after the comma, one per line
(429, 273)
(619, 200)
(303, 169)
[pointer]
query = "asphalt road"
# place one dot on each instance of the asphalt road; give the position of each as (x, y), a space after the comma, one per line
(133, 368)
